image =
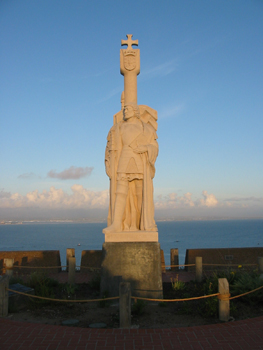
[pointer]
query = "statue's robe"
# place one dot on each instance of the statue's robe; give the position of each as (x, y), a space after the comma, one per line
(112, 155)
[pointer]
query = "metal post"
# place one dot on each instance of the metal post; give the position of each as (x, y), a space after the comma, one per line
(224, 303)
(72, 270)
(125, 304)
(198, 268)
(4, 284)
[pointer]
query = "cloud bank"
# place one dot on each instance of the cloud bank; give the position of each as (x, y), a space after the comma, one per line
(84, 203)
(57, 198)
(173, 201)
(72, 173)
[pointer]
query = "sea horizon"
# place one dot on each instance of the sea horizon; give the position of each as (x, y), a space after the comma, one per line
(94, 221)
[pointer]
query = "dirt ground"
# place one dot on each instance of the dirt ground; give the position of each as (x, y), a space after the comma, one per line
(144, 315)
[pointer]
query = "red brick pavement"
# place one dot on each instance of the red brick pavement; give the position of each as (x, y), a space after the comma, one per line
(246, 334)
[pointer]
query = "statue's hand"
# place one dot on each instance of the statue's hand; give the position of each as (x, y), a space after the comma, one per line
(141, 149)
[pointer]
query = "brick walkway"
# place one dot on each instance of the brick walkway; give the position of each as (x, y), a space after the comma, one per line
(247, 334)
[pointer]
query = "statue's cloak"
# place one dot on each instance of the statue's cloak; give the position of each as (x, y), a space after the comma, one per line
(112, 155)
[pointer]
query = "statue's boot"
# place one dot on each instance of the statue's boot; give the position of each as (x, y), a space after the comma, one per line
(120, 203)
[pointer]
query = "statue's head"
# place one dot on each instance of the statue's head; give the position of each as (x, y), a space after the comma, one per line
(131, 110)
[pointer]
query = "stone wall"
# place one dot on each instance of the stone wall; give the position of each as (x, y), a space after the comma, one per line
(223, 256)
(33, 258)
(91, 259)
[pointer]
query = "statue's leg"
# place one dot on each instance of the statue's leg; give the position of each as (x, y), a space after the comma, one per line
(120, 203)
(133, 206)
(138, 186)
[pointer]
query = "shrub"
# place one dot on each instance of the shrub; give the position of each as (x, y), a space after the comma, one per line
(43, 286)
(138, 307)
(176, 284)
(245, 283)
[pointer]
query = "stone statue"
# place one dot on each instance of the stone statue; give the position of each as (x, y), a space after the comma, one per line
(131, 251)
(130, 155)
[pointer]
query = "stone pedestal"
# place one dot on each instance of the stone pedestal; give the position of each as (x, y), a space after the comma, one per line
(138, 263)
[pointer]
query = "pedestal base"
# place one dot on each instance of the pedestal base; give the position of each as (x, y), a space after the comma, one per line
(136, 262)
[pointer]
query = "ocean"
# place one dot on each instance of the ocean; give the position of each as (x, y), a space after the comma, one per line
(172, 234)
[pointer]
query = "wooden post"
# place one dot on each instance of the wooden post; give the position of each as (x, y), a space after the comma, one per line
(72, 270)
(174, 258)
(224, 303)
(9, 266)
(125, 304)
(4, 284)
(70, 254)
(198, 268)
(260, 266)
(163, 261)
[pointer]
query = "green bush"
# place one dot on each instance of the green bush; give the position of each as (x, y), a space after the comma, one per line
(43, 286)
(245, 283)
(138, 307)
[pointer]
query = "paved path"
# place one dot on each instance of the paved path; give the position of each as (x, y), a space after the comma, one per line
(247, 334)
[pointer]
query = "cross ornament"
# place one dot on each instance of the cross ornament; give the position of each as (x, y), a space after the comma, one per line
(129, 42)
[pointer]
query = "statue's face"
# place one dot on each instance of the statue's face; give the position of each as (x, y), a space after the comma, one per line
(128, 112)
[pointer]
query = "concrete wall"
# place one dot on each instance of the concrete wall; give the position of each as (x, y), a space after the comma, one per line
(34, 258)
(90, 258)
(225, 256)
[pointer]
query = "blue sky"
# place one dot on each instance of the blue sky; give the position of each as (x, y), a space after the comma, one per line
(201, 69)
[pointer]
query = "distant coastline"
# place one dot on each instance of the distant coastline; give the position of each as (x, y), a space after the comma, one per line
(94, 221)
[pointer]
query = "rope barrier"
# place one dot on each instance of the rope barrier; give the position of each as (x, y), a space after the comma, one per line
(223, 297)
(34, 267)
(241, 295)
(171, 300)
(178, 265)
(99, 268)
(230, 265)
(61, 300)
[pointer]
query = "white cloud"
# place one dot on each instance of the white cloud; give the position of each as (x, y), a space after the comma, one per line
(172, 200)
(71, 173)
(209, 200)
(57, 198)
